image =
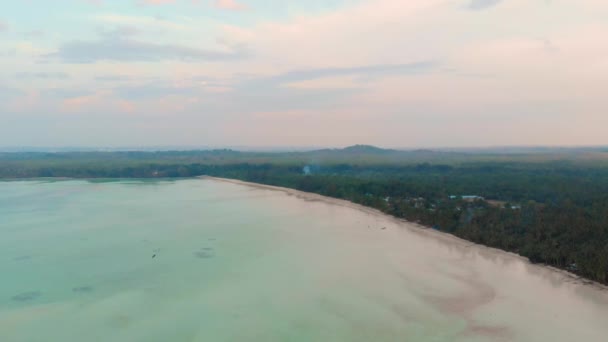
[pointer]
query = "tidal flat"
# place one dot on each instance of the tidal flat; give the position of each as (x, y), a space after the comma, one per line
(211, 260)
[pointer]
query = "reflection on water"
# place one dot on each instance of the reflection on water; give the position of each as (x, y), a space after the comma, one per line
(202, 260)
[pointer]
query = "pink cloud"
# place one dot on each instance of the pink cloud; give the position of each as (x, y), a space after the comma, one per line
(126, 106)
(27, 102)
(99, 101)
(230, 5)
(78, 103)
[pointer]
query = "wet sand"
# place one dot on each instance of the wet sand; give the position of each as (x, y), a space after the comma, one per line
(415, 228)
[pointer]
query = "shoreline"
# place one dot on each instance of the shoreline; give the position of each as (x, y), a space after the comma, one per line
(416, 228)
(413, 227)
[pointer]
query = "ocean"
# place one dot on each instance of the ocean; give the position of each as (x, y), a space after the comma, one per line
(209, 260)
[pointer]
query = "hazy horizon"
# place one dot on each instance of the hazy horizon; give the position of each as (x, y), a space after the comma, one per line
(391, 73)
(279, 148)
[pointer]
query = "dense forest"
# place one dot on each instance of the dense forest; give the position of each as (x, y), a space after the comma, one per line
(551, 207)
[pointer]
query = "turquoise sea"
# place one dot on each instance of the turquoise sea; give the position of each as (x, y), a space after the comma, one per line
(207, 260)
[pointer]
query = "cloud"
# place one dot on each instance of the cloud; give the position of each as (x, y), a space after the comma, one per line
(34, 34)
(145, 23)
(477, 5)
(247, 94)
(8, 92)
(130, 50)
(112, 78)
(42, 75)
(238, 97)
(366, 33)
(393, 71)
(230, 5)
(65, 93)
(3, 26)
(278, 93)
(120, 32)
(155, 90)
(80, 103)
(366, 71)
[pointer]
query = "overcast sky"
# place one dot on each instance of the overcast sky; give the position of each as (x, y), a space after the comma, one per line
(395, 73)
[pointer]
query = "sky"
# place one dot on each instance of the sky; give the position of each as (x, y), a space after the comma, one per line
(393, 73)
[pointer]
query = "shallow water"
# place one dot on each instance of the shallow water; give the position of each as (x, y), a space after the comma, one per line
(203, 260)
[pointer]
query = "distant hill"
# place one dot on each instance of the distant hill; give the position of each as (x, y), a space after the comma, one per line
(369, 154)
(366, 149)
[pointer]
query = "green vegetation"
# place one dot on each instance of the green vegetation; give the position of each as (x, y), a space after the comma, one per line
(550, 206)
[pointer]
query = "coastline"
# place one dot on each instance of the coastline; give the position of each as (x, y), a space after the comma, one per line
(250, 256)
(416, 228)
